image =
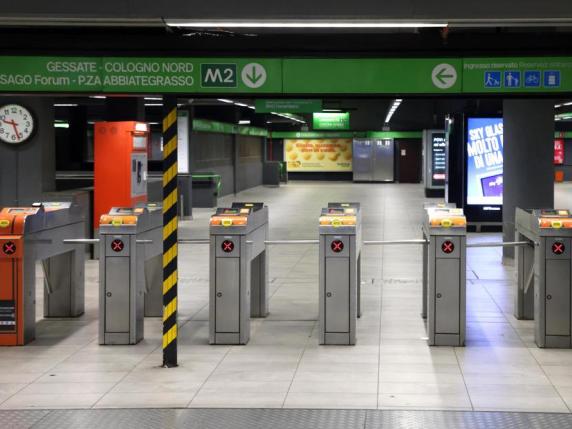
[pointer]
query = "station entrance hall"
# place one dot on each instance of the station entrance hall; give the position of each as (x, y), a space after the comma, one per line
(268, 218)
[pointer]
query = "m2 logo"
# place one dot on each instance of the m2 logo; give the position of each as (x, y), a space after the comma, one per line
(218, 75)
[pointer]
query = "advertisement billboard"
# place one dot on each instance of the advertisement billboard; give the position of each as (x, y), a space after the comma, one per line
(318, 155)
(484, 157)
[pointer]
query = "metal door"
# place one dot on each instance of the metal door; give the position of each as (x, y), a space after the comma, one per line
(383, 160)
(117, 286)
(362, 160)
(447, 295)
(337, 314)
(558, 297)
(227, 295)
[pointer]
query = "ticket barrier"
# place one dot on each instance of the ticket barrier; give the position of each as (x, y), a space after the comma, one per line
(27, 235)
(340, 245)
(544, 274)
(130, 272)
(238, 271)
(446, 230)
(427, 206)
(358, 226)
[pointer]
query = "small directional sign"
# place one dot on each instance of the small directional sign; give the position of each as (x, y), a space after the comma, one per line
(337, 246)
(227, 246)
(558, 248)
(253, 75)
(447, 247)
(9, 248)
(117, 245)
(444, 76)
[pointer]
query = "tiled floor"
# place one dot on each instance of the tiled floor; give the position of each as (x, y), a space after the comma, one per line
(283, 365)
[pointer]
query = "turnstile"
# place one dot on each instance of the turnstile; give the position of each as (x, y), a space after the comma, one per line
(27, 235)
(425, 280)
(356, 206)
(340, 245)
(546, 264)
(446, 231)
(238, 271)
(130, 272)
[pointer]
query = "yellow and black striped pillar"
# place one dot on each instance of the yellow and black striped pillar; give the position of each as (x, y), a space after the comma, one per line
(170, 199)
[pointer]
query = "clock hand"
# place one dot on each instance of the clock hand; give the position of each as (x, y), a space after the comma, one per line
(14, 125)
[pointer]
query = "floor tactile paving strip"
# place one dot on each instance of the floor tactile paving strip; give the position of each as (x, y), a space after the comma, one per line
(447, 420)
(277, 419)
(20, 419)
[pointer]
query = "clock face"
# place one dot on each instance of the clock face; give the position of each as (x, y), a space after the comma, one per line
(16, 123)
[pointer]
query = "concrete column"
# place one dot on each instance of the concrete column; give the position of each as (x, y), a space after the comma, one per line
(29, 169)
(528, 159)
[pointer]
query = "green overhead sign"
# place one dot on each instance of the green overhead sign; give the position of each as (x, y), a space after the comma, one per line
(346, 134)
(204, 125)
(372, 76)
(288, 76)
(288, 106)
(331, 121)
(140, 75)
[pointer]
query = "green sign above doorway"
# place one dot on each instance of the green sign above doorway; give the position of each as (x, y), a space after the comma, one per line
(331, 121)
(288, 106)
(140, 75)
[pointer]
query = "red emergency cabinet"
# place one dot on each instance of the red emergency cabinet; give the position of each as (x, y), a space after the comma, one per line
(120, 165)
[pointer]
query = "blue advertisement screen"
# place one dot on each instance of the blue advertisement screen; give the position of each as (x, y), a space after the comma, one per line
(484, 161)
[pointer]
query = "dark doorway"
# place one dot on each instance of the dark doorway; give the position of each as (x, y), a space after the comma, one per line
(408, 153)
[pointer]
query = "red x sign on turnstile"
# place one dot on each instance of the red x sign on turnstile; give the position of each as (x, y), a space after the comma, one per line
(227, 246)
(9, 248)
(337, 246)
(558, 248)
(117, 245)
(447, 246)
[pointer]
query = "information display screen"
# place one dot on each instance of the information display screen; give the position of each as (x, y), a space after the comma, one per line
(484, 159)
(438, 159)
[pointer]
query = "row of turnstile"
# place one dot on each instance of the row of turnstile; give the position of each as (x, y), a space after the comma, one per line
(131, 271)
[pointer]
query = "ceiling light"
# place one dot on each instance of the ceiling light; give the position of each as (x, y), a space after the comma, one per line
(331, 110)
(102, 97)
(392, 109)
(61, 125)
(65, 105)
(153, 104)
(153, 98)
(225, 100)
(244, 122)
(241, 104)
(303, 24)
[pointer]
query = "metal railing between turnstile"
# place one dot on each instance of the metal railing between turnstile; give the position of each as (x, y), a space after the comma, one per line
(96, 240)
(367, 242)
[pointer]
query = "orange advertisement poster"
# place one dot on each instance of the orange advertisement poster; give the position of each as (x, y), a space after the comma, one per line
(316, 155)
